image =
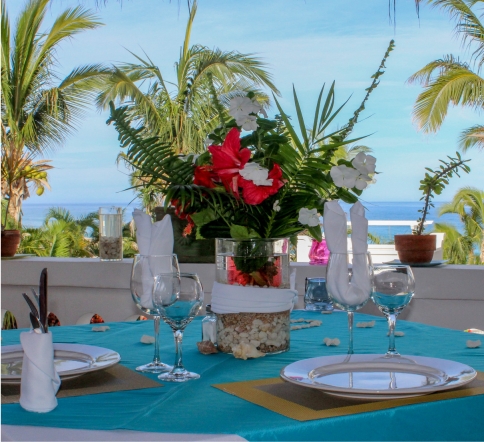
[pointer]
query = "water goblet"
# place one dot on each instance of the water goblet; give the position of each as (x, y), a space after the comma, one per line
(143, 273)
(393, 287)
(348, 282)
(188, 294)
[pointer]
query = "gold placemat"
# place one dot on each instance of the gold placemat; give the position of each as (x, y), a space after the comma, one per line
(115, 378)
(304, 404)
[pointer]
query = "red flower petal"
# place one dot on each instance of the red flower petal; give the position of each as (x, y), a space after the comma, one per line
(228, 159)
(203, 176)
(254, 194)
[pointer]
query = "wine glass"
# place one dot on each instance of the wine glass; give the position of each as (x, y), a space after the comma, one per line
(349, 284)
(143, 273)
(393, 287)
(188, 294)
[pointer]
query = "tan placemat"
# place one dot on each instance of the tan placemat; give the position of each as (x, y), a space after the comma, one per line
(116, 378)
(304, 404)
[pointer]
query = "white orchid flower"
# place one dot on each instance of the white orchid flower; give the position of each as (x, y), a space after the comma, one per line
(308, 217)
(365, 164)
(344, 176)
(276, 207)
(247, 122)
(243, 106)
(361, 183)
(256, 173)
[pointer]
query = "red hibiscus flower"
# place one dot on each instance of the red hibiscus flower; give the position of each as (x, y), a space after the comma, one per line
(228, 159)
(203, 176)
(254, 194)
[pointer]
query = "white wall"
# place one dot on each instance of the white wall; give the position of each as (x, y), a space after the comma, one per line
(449, 296)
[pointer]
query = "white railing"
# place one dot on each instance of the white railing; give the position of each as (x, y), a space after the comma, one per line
(448, 296)
(380, 252)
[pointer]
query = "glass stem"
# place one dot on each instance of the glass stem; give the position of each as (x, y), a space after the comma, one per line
(178, 366)
(350, 329)
(156, 357)
(392, 320)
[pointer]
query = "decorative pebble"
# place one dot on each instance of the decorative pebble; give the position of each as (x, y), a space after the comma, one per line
(101, 328)
(397, 334)
(111, 247)
(206, 347)
(246, 351)
(146, 339)
(365, 324)
(473, 344)
(334, 342)
(311, 323)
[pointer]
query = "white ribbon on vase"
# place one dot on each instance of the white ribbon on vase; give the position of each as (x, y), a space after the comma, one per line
(228, 298)
(355, 292)
(152, 239)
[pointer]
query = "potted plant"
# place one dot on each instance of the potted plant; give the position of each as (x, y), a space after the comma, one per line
(417, 248)
(10, 237)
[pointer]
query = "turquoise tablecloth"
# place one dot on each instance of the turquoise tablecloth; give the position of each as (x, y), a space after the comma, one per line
(196, 407)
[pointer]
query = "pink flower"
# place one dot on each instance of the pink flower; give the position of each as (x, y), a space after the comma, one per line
(254, 194)
(228, 159)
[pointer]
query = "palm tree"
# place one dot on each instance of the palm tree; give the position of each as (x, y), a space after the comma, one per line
(39, 110)
(182, 112)
(449, 81)
(468, 203)
(62, 235)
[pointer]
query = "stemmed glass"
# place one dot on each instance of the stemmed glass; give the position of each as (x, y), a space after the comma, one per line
(345, 296)
(187, 291)
(393, 287)
(143, 273)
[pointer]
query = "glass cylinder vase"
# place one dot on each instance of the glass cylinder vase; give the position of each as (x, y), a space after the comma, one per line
(110, 233)
(255, 264)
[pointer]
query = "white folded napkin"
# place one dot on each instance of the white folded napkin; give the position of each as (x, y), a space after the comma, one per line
(152, 239)
(357, 291)
(228, 298)
(40, 381)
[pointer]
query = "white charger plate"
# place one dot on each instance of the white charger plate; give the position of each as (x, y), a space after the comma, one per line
(377, 377)
(70, 360)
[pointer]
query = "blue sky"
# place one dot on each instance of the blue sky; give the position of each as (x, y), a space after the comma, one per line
(304, 42)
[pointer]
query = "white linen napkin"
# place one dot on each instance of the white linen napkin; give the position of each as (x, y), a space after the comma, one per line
(152, 239)
(40, 381)
(357, 291)
(228, 298)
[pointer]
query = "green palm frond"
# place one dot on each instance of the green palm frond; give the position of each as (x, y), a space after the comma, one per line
(457, 85)
(469, 26)
(472, 137)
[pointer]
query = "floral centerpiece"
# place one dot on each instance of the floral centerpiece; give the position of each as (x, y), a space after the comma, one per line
(258, 184)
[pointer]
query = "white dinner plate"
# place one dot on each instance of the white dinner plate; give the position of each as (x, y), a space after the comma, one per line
(377, 377)
(70, 360)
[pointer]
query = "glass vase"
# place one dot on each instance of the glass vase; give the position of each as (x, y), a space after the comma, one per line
(254, 263)
(319, 253)
(110, 233)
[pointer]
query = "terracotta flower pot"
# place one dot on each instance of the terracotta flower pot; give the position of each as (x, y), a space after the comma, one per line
(415, 249)
(10, 242)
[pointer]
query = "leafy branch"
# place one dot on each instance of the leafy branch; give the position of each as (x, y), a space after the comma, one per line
(433, 185)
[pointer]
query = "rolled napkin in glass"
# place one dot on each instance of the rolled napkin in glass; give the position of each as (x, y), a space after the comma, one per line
(354, 292)
(40, 381)
(153, 239)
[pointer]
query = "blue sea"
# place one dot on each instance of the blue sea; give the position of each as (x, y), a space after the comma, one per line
(34, 214)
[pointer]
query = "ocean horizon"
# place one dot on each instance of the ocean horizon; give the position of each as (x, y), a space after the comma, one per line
(34, 214)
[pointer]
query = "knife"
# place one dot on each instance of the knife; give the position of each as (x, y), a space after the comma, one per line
(36, 296)
(33, 309)
(43, 299)
(35, 322)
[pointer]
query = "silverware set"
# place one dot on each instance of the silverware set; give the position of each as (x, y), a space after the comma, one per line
(38, 316)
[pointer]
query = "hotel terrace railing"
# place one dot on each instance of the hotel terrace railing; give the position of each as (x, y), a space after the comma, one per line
(448, 296)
